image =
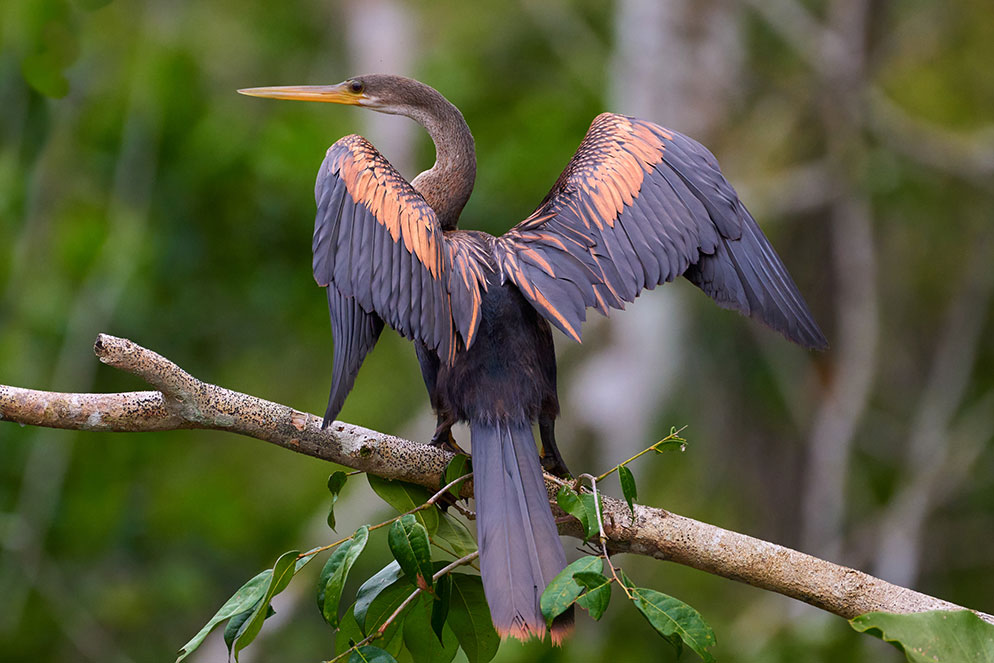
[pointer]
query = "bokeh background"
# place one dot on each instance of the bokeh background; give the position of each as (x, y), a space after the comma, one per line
(140, 196)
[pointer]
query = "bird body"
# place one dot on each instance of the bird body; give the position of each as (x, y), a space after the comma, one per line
(508, 371)
(637, 206)
(500, 384)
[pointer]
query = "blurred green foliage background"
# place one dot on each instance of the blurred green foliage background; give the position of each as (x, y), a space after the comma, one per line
(140, 196)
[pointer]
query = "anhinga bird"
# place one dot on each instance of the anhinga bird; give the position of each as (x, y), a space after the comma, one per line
(637, 206)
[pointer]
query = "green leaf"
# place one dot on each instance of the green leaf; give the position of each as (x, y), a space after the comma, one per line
(236, 626)
(372, 588)
(592, 505)
(283, 571)
(384, 605)
(409, 544)
(591, 579)
(671, 442)
(676, 621)
(306, 558)
(371, 654)
(440, 606)
(405, 496)
(570, 502)
(581, 506)
(598, 594)
(934, 637)
(628, 488)
(45, 75)
(335, 484)
(419, 639)
(457, 467)
(242, 600)
(54, 49)
(469, 617)
(452, 531)
(335, 571)
(349, 633)
(563, 590)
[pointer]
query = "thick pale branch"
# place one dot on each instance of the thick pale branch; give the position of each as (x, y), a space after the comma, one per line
(837, 589)
(184, 402)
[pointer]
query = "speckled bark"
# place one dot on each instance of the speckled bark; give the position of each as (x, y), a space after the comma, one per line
(184, 402)
(837, 589)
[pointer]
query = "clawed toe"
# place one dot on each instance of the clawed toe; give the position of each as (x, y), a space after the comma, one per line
(443, 439)
(556, 467)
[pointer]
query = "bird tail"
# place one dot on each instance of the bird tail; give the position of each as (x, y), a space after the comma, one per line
(520, 551)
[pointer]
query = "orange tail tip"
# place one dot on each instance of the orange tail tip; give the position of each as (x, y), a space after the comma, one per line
(560, 631)
(522, 632)
(557, 634)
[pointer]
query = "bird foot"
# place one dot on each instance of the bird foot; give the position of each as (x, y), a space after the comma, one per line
(442, 439)
(554, 465)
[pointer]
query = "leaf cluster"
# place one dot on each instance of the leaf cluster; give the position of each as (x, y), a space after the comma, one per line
(420, 605)
(416, 602)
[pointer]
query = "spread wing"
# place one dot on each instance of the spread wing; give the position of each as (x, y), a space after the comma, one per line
(637, 206)
(379, 249)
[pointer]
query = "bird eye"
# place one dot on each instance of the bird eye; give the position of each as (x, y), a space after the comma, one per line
(356, 86)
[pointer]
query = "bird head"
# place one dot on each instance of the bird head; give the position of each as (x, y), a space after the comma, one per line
(380, 92)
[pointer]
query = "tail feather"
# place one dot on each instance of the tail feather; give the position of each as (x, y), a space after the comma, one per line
(520, 551)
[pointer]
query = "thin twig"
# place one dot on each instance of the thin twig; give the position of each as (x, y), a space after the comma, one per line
(421, 507)
(603, 538)
(469, 514)
(674, 435)
(434, 498)
(466, 559)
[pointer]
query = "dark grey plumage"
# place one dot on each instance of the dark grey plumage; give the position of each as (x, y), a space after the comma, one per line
(637, 206)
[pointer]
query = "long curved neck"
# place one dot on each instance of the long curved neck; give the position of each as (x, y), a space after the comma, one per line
(446, 185)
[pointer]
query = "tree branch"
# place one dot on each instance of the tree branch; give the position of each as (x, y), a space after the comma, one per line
(184, 402)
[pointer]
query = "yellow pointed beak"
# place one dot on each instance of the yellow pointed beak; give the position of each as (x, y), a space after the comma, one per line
(335, 94)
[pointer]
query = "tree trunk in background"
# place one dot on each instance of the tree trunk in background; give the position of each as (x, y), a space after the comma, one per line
(830, 444)
(675, 63)
(382, 39)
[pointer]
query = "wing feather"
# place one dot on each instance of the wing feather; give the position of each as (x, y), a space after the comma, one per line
(467, 282)
(380, 251)
(637, 206)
